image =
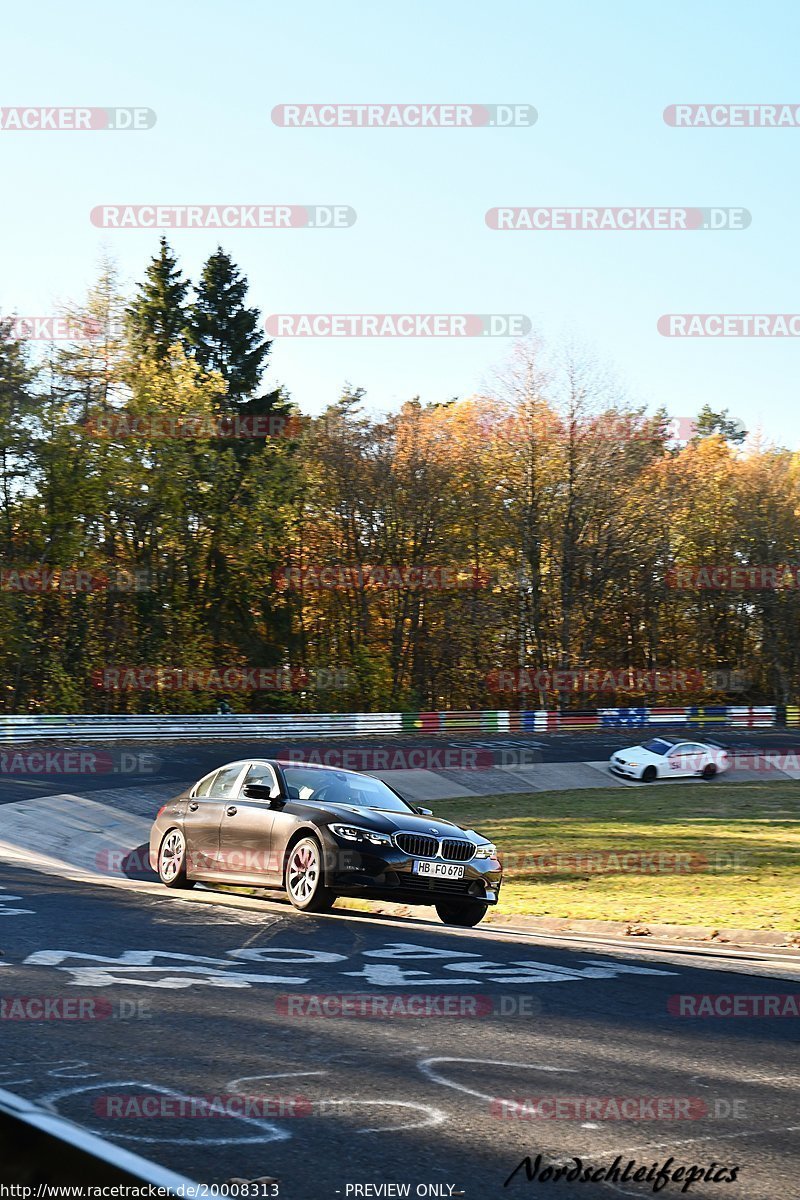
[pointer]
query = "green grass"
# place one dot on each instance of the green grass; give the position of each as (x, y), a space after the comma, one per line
(741, 844)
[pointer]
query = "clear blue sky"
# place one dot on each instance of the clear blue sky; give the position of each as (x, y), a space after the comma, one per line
(599, 76)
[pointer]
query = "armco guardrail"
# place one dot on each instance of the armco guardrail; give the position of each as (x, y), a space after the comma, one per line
(39, 1148)
(145, 727)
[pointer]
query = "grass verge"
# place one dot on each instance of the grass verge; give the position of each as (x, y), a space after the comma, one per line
(719, 854)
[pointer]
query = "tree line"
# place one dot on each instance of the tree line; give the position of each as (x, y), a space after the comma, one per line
(175, 531)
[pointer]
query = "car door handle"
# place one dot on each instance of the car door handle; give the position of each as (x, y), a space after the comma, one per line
(231, 812)
(193, 806)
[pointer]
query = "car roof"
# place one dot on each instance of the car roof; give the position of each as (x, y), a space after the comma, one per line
(311, 766)
(683, 741)
(286, 762)
(279, 762)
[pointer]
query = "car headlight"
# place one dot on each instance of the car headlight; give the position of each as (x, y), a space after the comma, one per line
(487, 851)
(354, 833)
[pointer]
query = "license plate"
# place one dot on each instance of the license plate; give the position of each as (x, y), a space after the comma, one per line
(439, 870)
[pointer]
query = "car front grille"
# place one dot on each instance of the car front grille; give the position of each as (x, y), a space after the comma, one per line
(457, 850)
(421, 846)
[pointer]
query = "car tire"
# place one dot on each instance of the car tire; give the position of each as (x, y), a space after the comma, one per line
(303, 877)
(708, 771)
(466, 913)
(172, 860)
(649, 775)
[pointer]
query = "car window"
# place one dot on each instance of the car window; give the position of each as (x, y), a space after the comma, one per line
(224, 784)
(260, 773)
(204, 786)
(342, 787)
(658, 746)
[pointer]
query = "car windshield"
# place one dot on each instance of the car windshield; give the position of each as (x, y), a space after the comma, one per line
(659, 746)
(342, 787)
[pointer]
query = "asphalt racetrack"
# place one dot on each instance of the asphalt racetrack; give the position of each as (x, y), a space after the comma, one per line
(353, 1055)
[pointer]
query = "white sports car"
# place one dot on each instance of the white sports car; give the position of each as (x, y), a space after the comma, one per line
(669, 758)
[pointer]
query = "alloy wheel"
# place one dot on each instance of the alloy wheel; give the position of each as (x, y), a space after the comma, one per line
(171, 859)
(303, 873)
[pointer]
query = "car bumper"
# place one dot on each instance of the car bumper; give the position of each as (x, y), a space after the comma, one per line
(389, 874)
(156, 837)
(623, 772)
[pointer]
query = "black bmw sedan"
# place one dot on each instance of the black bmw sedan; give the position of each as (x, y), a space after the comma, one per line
(318, 833)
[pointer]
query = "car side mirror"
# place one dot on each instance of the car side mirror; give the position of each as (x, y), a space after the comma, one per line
(260, 791)
(423, 812)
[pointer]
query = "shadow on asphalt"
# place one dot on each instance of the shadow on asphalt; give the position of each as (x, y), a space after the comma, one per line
(136, 865)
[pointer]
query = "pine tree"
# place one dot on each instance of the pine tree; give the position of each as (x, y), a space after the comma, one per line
(157, 318)
(226, 334)
(90, 367)
(710, 422)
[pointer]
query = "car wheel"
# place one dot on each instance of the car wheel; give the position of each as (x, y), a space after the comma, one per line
(467, 913)
(172, 861)
(708, 771)
(649, 774)
(303, 878)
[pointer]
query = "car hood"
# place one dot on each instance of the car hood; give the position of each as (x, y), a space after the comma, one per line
(638, 754)
(389, 822)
